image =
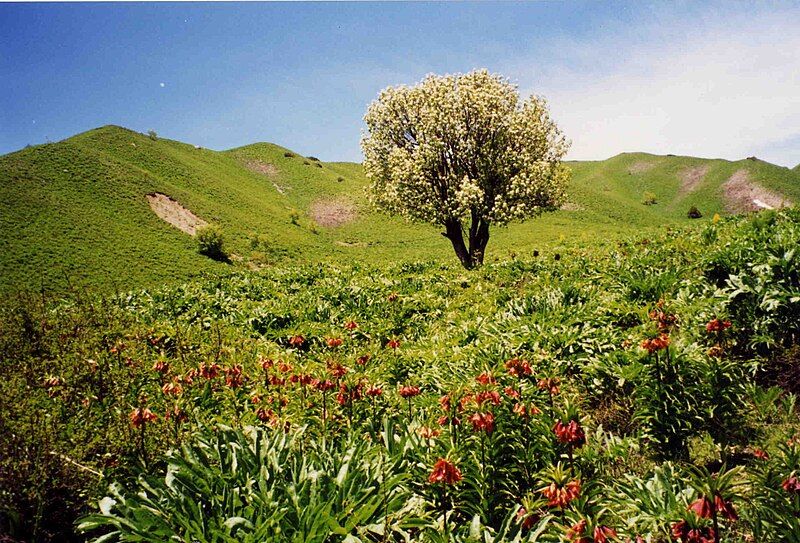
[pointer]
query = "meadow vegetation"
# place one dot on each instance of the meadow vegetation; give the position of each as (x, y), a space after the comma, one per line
(637, 390)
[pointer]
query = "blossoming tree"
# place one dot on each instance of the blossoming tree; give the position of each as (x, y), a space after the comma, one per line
(464, 152)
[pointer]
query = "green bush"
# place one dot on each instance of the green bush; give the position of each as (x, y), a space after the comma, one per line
(649, 198)
(211, 242)
(288, 154)
(694, 213)
(152, 135)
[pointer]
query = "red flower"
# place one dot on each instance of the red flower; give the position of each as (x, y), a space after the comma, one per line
(177, 414)
(408, 391)
(444, 401)
(392, 297)
(485, 378)
(325, 386)
(333, 342)
(511, 392)
(444, 472)
(761, 454)
(575, 534)
(297, 341)
(549, 384)
(716, 325)
(141, 416)
(283, 367)
(791, 485)
(161, 366)
(209, 371)
(172, 389)
(491, 396)
(374, 391)
(482, 422)
(681, 531)
(267, 363)
(570, 434)
(725, 508)
(526, 521)
(337, 370)
(561, 496)
(652, 345)
(393, 343)
(234, 377)
(351, 325)
(602, 533)
(363, 359)
(702, 507)
(518, 368)
(265, 414)
(428, 433)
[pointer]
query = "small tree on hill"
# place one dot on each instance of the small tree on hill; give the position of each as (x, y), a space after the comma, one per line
(464, 152)
(211, 242)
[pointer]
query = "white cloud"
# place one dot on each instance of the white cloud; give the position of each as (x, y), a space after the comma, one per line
(723, 86)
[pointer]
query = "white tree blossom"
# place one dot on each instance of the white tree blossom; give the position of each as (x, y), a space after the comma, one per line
(463, 151)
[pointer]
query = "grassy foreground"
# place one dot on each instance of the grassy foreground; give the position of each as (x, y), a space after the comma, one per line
(639, 391)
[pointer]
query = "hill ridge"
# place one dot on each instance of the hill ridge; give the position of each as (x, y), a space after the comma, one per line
(78, 208)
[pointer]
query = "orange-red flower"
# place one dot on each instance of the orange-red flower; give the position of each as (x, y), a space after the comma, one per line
(485, 378)
(267, 363)
(337, 370)
(603, 533)
(444, 401)
(161, 366)
(518, 368)
(283, 367)
(363, 359)
(569, 434)
(702, 507)
(681, 531)
(233, 376)
(374, 391)
(576, 532)
(426, 432)
(392, 297)
(482, 422)
(761, 454)
(716, 325)
(333, 342)
(525, 520)
(561, 496)
(445, 472)
(512, 393)
(325, 386)
(491, 396)
(408, 391)
(393, 343)
(652, 345)
(141, 416)
(209, 371)
(791, 485)
(351, 325)
(172, 389)
(550, 384)
(297, 341)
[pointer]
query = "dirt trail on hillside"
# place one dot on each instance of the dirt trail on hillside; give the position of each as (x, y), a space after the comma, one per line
(174, 213)
(742, 195)
(332, 213)
(270, 170)
(691, 178)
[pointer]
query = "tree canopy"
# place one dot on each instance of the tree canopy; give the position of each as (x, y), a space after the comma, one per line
(463, 151)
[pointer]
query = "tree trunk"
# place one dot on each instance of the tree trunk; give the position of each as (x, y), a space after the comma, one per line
(478, 238)
(456, 236)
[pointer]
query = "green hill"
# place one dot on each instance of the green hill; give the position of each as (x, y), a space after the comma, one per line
(76, 213)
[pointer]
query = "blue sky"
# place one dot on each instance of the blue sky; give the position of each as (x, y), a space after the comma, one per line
(716, 80)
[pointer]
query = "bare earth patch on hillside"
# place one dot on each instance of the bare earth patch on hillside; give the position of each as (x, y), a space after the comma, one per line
(742, 195)
(332, 213)
(641, 166)
(174, 213)
(265, 168)
(571, 206)
(691, 178)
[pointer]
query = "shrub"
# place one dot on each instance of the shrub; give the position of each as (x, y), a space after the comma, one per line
(319, 165)
(288, 154)
(694, 213)
(152, 135)
(306, 163)
(315, 159)
(340, 179)
(649, 198)
(294, 216)
(211, 242)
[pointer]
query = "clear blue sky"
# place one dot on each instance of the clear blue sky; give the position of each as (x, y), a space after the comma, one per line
(695, 78)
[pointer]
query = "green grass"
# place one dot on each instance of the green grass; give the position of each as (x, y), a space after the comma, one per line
(74, 213)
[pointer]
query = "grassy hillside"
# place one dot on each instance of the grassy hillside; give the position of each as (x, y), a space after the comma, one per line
(76, 213)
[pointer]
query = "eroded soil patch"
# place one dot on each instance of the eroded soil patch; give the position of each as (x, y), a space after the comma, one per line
(691, 178)
(174, 213)
(641, 166)
(742, 195)
(332, 213)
